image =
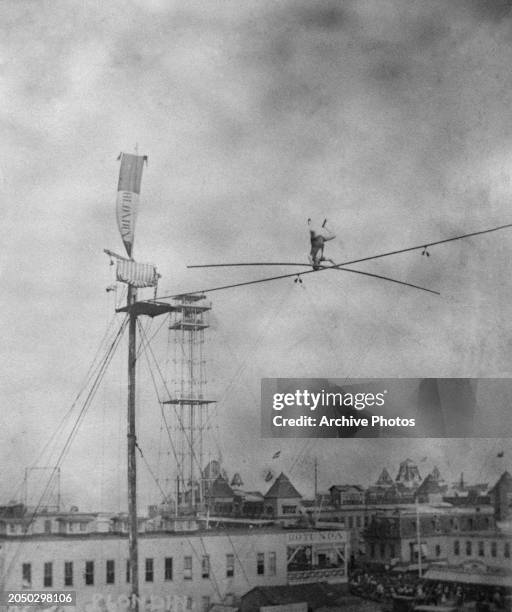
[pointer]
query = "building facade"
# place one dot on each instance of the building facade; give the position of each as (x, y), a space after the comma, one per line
(197, 569)
(397, 539)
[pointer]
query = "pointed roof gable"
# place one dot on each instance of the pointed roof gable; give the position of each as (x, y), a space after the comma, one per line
(504, 479)
(236, 481)
(408, 473)
(431, 486)
(212, 469)
(220, 488)
(384, 479)
(436, 474)
(282, 488)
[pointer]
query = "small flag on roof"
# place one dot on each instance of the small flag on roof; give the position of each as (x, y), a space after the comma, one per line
(276, 455)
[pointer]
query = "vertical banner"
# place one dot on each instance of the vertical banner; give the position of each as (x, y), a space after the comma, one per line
(128, 190)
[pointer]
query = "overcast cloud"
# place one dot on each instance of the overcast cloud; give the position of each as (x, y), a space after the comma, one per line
(392, 118)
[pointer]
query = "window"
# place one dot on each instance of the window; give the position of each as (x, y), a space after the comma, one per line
(47, 526)
(456, 547)
(190, 603)
(168, 568)
(372, 550)
(187, 568)
(272, 563)
(468, 548)
(89, 572)
(493, 549)
(68, 573)
(82, 526)
(260, 564)
(506, 550)
(358, 521)
(48, 574)
(127, 570)
(205, 603)
(149, 570)
(438, 550)
(111, 571)
(382, 551)
(205, 566)
(289, 509)
(26, 574)
(230, 566)
(392, 551)
(350, 522)
(481, 549)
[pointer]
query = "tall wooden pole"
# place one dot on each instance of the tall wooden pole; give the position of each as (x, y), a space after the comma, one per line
(418, 538)
(316, 479)
(132, 442)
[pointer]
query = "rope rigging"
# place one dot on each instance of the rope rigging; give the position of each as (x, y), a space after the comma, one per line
(160, 401)
(340, 266)
(211, 575)
(423, 246)
(243, 363)
(102, 368)
(92, 371)
(148, 467)
(147, 347)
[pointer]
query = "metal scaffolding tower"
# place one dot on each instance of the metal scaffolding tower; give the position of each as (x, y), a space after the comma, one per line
(188, 324)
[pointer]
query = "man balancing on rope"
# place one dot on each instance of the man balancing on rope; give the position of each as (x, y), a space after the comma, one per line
(318, 240)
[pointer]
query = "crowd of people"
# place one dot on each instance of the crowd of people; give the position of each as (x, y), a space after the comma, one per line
(389, 587)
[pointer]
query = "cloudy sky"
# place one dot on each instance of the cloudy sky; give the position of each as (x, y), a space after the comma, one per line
(392, 118)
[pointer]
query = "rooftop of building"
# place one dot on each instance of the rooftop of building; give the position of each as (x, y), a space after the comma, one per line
(282, 488)
(347, 487)
(443, 508)
(316, 595)
(201, 533)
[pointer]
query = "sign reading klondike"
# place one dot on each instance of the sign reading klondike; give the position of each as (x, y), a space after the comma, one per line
(128, 190)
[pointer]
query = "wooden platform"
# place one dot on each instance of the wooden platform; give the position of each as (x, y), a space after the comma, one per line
(148, 308)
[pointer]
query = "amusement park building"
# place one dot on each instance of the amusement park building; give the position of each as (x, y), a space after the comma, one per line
(210, 566)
